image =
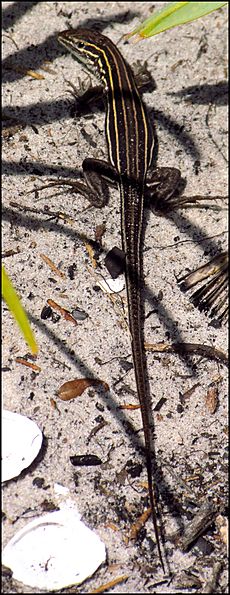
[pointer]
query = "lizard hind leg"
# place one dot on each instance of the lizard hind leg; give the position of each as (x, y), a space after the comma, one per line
(163, 188)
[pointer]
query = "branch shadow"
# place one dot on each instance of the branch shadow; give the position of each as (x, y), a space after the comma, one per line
(13, 13)
(204, 94)
(33, 56)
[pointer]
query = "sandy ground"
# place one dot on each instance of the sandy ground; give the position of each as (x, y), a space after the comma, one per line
(189, 66)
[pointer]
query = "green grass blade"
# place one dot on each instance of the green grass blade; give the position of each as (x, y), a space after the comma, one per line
(13, 302)
(174, 14)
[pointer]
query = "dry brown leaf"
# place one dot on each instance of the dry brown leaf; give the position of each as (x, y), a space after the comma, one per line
(65, 313)
(53, 267)
(35, 75)
(99, 232)
(111, 584)
(24, 362)
(75, 388)
(91, 253)
(129, 407)
(137, 526)
(53, 404)
(211, 399)
(222, 525)
(113, 527)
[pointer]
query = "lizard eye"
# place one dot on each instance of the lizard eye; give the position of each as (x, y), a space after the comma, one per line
(80, 45)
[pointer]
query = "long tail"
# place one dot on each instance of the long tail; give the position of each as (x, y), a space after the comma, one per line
(131, 225)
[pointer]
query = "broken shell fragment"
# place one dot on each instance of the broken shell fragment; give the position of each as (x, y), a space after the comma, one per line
(110, 285)
(55, 551)
(21, 443)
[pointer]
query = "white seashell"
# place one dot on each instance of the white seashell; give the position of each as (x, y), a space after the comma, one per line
(21, 442)
(111, 285)
(55, 551)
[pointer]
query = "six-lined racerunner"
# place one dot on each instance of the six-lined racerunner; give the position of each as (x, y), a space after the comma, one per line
(130, 146)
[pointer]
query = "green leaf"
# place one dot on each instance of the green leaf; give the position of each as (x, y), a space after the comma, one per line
(13, 302)
(174, 14)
